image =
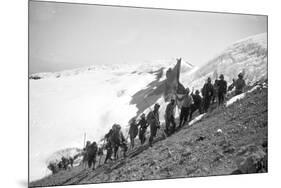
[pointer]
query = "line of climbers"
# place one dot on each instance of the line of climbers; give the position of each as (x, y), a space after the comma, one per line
(63, 164)
(115, 139)
(211, 93)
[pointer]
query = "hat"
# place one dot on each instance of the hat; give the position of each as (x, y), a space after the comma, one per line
(240, 75)
(156, 105)
(132, 120)
(116, 126)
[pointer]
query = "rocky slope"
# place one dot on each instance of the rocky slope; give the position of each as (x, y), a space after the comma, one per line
(230, 140)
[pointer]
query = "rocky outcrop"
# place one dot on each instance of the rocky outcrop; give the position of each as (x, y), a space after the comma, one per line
(251, 159)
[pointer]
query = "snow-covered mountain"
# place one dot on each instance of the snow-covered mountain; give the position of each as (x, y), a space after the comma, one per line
(65, 105)
(248, 55)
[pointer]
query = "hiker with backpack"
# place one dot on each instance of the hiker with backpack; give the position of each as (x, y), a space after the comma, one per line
(100, 154)
(239, 84)
(153, 122)
(185, 109)
(133, 131)
(216, 91)
(222, 87)
(208, 92)
(197, 104)
(142, 130)
(170, 117)
(85, 154)
(53, 167)
(232, 85)
(92, 153)
(108, 149)
(116, 140)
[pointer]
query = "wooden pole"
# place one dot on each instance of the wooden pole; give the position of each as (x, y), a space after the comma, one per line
(84, 140)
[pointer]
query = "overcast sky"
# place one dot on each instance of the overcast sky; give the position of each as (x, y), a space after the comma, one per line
(65, 36)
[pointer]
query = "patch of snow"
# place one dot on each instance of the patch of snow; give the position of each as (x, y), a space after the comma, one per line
(253, 89)
(197, 119)
(234, 99)
(240, 96)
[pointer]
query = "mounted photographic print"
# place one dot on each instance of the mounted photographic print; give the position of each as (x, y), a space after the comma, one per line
(131, 93)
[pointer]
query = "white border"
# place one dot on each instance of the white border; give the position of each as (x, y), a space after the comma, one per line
(13, 95)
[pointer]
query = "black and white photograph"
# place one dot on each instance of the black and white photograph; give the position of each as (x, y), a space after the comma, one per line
(124, 93)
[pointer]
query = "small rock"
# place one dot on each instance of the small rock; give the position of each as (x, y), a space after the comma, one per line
(222, 143)
(169, 153)
(236, 172)
(264, 144)
(187, 152)
(190, 170)
(200, 138)
(229, 150)
(181, 161)
(218, 156)
(152, 163)
(242, 150)
(198, 171)
(218, 132)
(205, 169)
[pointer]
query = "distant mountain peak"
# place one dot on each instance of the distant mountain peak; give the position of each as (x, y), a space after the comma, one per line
(248, 55)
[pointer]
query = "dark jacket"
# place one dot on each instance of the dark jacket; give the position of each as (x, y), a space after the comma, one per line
(208, 90)
(92, 150)
(142, 123)
(170, 110)
(117, 138)
(222, 86)
(197, 100)
(153, 119)
(239, 85)
(133, 131)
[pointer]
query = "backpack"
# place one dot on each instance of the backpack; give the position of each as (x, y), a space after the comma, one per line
(92, 150)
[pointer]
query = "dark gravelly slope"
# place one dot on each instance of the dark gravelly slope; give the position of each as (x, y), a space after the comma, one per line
(226, 141)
